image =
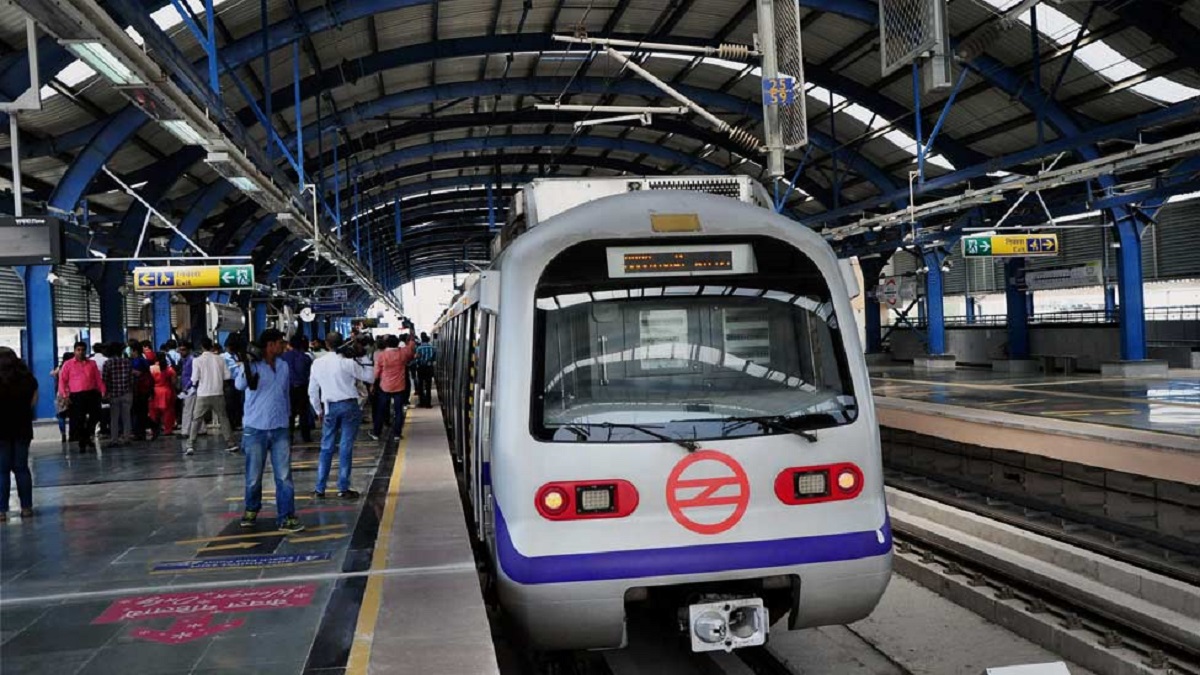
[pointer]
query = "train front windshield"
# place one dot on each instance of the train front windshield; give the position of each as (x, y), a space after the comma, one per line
(703, 358)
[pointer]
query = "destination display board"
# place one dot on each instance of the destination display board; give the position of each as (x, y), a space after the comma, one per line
(646, 261)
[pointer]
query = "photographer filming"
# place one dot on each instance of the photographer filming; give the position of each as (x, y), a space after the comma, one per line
(333, 392)
(265, 379)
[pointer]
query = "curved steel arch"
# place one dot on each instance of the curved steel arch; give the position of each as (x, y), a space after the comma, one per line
(496, 142)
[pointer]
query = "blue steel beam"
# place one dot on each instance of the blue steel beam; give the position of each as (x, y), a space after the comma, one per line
(497, 142)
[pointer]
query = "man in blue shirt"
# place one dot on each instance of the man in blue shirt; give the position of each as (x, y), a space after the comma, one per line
(426, 359)
(300, 367)
(267, 384)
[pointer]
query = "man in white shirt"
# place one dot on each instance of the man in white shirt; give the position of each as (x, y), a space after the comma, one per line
(209, 373)
(100, 358)
(333, 392)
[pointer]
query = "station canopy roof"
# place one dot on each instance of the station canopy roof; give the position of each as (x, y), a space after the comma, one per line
(428, 102)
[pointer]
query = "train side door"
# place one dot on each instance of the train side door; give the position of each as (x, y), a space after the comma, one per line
(481, 485)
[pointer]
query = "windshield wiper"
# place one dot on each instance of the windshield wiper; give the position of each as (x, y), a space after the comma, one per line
(690, 446)
(581, 431)
(775, 422)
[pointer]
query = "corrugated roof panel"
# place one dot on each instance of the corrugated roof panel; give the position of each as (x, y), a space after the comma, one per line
(462, 18)
(830, 34)
(1118, 106)
(407, 26)
(351, 42)
(704, 19)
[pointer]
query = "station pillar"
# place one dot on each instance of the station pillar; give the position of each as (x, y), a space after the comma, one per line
(935, 310)
(161, 304)
(871, 268)
(39, 344)
(112, 304)
(1131, 311)
(259, 323)
(198, 312)
(1017, 309)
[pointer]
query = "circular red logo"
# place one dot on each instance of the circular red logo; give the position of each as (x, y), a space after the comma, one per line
(714, 482)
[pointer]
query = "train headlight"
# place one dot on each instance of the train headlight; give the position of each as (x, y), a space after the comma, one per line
(847, 480)
(552, 501)
(580, 500)
(812, 484)
(595, 498)
(816, 484)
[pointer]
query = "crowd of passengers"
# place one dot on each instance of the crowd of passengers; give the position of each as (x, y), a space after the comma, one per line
(266, 390)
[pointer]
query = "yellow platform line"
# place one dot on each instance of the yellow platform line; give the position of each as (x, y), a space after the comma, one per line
(368, 614)
(253, 535)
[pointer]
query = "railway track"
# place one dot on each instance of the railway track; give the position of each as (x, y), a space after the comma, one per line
(1089, 625)
(1169, 557)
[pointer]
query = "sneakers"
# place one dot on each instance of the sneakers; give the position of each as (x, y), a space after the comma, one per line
(348, 494)
(189, 450)
(233, 450)
(373, 435)
(291, 524)
(317, 495)
(26, 513)
(249, 518)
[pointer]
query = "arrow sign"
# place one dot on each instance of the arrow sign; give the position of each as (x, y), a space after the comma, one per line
(1012, 246)
(227, 547)
(186, 630)
(320, 537)
(226, 277)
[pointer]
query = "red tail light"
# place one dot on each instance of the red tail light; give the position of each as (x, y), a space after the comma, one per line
(578, 500)
(815, 484)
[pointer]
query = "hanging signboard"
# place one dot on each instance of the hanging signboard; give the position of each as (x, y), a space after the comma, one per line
(1011, 246)
(893, 291)
(193, 278)
(339, 294)
(1090, 274)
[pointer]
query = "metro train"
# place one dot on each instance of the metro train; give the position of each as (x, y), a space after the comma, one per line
(657, 399)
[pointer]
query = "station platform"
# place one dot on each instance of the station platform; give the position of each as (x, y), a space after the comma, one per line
(135, 562)
(1119, 458)
(1141, 426)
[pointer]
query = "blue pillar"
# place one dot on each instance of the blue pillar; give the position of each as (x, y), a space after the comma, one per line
(112, 304)
(934, 297)
(163, 325)
(1131, 313)
(39, 345)
(1110, 301)
(970, 309)
(1017, 310)
(871, 268)
(260, 319)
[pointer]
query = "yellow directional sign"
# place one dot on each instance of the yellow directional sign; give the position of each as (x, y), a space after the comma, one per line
(194, 277)
(1024, 245)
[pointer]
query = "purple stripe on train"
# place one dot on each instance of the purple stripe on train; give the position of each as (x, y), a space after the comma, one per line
(697, 559)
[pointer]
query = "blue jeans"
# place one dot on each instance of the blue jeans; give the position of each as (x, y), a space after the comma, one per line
(257, 443)
(398, 402)
(14, 459)
(344, 416)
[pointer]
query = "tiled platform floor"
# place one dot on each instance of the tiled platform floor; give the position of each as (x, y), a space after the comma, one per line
(86, 585)
(1168, 405)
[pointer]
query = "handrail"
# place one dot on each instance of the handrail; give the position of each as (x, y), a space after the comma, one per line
(1086, 316)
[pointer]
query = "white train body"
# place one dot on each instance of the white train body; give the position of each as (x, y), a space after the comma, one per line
(672, 311)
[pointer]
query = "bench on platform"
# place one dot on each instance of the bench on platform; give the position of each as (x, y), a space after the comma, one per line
(1052, 362)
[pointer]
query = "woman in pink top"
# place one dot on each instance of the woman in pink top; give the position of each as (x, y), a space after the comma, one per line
(79, 380)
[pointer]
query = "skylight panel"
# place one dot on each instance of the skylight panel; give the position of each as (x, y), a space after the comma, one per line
(1107, 61)
(1166, 90)
(76, 72)
(1104, 60)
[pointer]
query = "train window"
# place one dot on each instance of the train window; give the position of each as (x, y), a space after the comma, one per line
(695, 362)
